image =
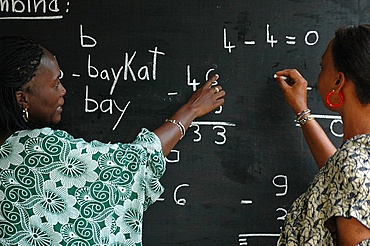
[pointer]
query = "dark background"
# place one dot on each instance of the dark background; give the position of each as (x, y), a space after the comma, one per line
(213, 179)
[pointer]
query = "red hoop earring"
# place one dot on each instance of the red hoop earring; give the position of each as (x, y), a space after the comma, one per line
(334, 105)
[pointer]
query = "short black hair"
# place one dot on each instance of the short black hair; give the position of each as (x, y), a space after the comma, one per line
(351, 55)
(19, 60)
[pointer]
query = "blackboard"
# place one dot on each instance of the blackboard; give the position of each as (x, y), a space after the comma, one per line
(131, 64)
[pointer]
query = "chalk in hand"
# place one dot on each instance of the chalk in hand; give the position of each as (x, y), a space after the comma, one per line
(283, 77)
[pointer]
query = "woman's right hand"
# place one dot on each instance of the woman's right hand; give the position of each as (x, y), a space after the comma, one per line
(203, 101)
(294, 89)
(207, 98)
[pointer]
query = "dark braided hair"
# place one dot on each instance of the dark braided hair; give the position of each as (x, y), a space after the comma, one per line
(19, 60)
(351, 55)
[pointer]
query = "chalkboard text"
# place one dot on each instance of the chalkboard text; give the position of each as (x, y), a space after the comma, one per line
(31, 9)
(143, 73)
(104, 106)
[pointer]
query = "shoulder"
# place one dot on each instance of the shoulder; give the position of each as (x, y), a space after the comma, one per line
(145, 142)
(41, 140)
(352, 158)
(41, 132)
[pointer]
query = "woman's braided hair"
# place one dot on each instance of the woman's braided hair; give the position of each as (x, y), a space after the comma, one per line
(19, 60)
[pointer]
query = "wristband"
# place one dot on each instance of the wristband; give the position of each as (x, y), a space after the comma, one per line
(179, 125)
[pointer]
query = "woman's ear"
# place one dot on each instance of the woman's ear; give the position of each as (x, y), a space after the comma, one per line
(21, 98)
(341, 80)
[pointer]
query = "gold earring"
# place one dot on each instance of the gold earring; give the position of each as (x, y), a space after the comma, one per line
(25, 114)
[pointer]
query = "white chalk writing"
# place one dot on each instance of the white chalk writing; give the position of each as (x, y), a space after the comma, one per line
(31, 10)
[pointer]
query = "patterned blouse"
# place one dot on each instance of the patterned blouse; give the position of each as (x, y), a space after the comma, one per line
(57, 190)
(341, 188)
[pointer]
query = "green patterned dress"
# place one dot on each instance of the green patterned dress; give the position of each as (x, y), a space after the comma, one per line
(57, 190)
(341, 188)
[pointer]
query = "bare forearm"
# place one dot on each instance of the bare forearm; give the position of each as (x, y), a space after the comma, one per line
(295, 93)
(169, 133)
(320, 145)
(203, 101)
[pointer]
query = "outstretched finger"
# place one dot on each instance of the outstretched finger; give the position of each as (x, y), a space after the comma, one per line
(211, 80)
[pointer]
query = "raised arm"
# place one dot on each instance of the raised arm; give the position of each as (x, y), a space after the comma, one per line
(203, 101)
(295, 92)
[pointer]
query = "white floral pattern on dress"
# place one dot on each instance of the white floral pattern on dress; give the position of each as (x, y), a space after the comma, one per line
(10, 154)
(57, 190)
